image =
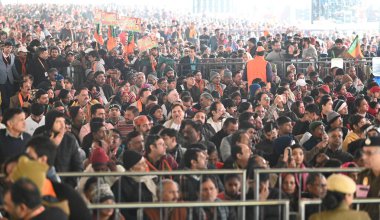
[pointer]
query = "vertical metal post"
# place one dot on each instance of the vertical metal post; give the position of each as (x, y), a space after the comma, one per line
(257, 193)
(244, 193)
(287, 210)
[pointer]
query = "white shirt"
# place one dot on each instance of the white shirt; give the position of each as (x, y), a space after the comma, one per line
(216, 125)
(31, 125)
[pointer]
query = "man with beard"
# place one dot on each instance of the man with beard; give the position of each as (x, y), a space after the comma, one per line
(334, 120)
(65, 97)
(56, 60)
(191, 131)
(22, 98)
(105, 90)
(277, 56)
(334, 147)
(207, 130)
(38, 67)
(142, 124)
(139, 83)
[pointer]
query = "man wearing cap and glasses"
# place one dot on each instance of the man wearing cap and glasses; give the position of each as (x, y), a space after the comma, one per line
(8, 74)
(369, 179)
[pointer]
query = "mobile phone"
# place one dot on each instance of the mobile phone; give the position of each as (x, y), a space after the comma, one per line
(290, 156)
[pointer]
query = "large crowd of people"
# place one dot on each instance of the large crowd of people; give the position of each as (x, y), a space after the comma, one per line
(70, 105)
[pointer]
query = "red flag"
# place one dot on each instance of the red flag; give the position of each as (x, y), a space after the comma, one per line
(97, 35)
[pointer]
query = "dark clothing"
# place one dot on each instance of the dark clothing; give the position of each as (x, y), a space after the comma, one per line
(340, 155)
(310, 209)
(186, 66)
(108, 91)
(177, 153)
(312, 142)
(128, 190)
(78, 208)
(59, 63)
(207, 131)
(374, 192)
(10, 146)
(300, 127)
(217, 139)
(355, 145)
(67, 33)
(222, 212)
(265, 149)
(67, 159)
(38, 68)
(51, 213)
(195, 92)
(265, 212)
(75, 71)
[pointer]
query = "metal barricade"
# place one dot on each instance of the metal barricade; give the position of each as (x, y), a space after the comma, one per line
(167, 173)
(207, 65)
(304, 202)
(298, 171)
(284, 203)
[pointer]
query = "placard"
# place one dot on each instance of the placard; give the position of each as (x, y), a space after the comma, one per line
(109, 18)
(337, 62)
(146, 43)
(130, 24)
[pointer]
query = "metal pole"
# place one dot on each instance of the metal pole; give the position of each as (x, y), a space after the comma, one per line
(257, 193)
(244, 193)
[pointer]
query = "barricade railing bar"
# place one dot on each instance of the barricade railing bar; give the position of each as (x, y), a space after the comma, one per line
(285, 203)
(304, 202)
(158, 173)
(167, 173)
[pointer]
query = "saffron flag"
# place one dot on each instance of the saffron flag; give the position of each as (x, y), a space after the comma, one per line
(354, 50)
(98, 34)
(131, 44)
(111, 41)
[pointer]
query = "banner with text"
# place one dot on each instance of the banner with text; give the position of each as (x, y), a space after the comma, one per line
(130, 24)
(146, 43)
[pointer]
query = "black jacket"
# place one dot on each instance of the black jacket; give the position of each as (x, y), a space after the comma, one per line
(128, 190)
(38, 70)
(67, 159)
(78, 208)
(185, 66)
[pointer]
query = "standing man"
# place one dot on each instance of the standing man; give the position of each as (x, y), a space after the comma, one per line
(13, 138)
(369, 179)
(8, 74)
(258, 68)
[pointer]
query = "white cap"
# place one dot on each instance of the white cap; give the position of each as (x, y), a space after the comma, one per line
(22, 49)
(88, 50)
(301, 82)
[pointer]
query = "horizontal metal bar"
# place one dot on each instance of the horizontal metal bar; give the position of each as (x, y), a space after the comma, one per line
(187, 204)
(311, 170)
(355, 201)
(158, 173)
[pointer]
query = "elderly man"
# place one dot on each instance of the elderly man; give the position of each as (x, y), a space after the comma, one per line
(168, 191)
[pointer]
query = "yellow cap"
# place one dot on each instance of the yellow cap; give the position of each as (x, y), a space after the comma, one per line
(341, 183)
